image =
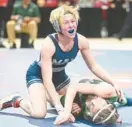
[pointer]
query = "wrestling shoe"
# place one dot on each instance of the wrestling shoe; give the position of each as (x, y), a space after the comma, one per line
(10, 101)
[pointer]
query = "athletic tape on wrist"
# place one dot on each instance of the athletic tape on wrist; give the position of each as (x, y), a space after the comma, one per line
(59, 108)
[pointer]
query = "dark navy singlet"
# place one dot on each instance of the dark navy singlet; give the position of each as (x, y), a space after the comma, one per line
(60, 58)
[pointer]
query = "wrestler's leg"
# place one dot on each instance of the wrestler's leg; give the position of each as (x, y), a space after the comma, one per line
(35, 105)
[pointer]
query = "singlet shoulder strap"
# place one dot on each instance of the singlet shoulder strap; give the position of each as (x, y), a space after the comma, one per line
(76, 41)
(53, 38)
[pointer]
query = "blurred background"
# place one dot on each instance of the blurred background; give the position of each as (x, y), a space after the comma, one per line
(99, 18)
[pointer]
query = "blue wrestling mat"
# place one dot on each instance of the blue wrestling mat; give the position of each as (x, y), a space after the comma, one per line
(13, 66)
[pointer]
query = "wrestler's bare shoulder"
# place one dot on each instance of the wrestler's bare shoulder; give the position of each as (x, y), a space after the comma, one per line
(81, 37)
(48, 45)
(83, 41)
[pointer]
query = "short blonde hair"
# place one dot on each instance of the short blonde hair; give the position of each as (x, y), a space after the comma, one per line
(57, 13)
(107, 114)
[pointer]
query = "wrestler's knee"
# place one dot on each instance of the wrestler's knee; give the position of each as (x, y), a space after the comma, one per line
(38, 113)
(39, 110)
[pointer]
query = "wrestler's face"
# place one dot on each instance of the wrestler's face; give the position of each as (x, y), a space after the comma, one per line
(68, 25)
(94, 103)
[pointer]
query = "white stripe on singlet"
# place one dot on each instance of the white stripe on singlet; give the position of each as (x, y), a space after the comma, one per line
(57, 69)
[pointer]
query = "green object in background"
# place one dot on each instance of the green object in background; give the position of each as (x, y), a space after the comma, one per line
(62, 100)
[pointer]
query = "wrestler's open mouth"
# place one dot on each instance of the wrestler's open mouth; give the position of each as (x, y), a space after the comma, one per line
(71, 31)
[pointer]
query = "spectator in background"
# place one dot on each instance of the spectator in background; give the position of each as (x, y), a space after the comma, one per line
(117, 4)
(86, 3)
(68, 2)
(104, 6)
(24, 19)
(3, 8)
(55, 3)
(128, 21)
(47, 3)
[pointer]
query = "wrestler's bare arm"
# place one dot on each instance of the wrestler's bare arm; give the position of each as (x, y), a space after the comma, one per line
(103, 90)
(72, 91)
(47, 52)
(91, 63)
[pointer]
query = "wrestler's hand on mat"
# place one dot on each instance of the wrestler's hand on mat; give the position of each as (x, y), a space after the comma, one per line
(76, 110)
(64, 117)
